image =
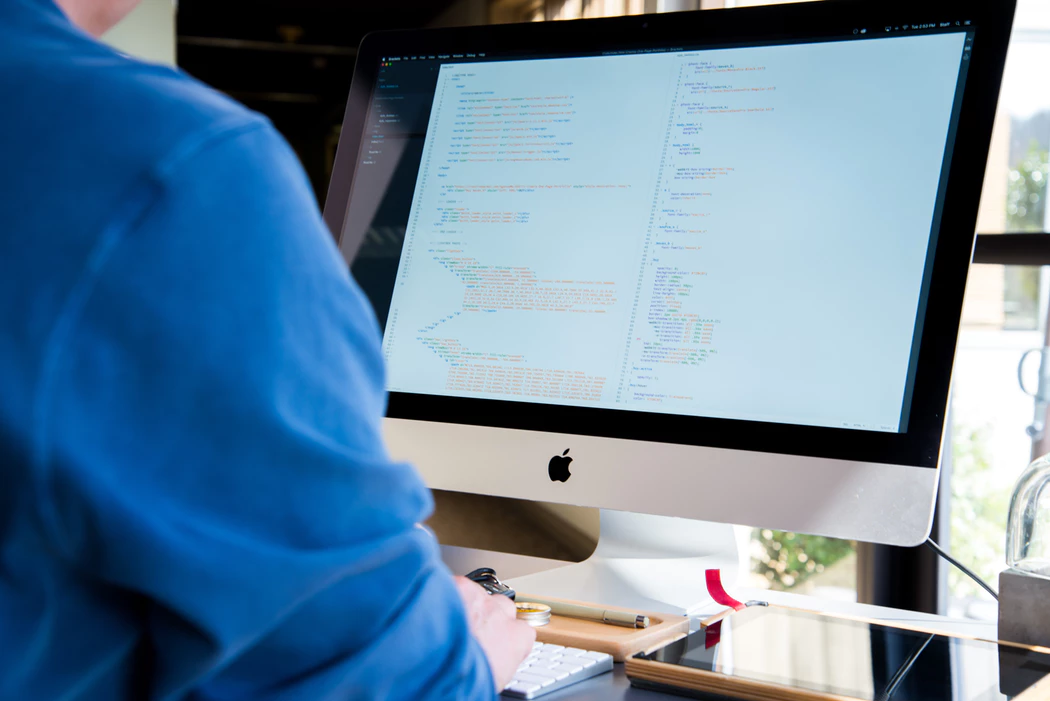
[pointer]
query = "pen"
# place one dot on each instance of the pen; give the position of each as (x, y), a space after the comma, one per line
(591, 613)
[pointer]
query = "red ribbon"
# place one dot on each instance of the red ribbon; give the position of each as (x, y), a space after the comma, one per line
(718, 592)
(713, 635)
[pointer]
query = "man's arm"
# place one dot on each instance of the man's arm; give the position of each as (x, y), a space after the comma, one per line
(210, 441)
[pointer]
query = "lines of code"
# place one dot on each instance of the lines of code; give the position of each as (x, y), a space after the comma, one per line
(492, 288)
(462, 215)
(677, 232)
(675, 300)
(510, 128)
(489, 373)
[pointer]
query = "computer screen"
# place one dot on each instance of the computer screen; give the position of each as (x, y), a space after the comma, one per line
(715, 260)
(739, 232)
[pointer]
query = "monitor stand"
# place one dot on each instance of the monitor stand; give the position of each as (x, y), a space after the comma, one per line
(651, 563)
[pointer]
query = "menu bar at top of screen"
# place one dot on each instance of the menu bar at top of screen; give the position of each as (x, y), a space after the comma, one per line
(857, 33)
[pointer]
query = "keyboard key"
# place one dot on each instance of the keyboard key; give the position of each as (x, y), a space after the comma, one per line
(549, 646)
(551, 668)
(537, 646)
(534, 679)
(540, 672)
(522, 687)
(563, 670)
(545, 664)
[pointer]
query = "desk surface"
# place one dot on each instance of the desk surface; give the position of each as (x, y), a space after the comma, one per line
(615, 686)
(607, 687)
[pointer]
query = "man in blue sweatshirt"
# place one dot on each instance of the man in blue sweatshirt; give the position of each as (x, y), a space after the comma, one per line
(195, 501)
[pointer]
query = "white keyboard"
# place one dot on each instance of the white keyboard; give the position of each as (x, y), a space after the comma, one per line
(552, 667)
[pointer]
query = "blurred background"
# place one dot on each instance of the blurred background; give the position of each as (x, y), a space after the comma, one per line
(292, 60)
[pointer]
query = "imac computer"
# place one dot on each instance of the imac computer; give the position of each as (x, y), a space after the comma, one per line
(703, 265)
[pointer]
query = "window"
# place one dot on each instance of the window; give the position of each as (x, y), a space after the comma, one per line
(1015, 183)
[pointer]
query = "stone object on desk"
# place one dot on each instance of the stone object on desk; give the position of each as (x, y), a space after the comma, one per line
(1024, 607)
(1020, 669)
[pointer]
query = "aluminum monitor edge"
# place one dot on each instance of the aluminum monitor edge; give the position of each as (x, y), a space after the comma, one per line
(889, 504)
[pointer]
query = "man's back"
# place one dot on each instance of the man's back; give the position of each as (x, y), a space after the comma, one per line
(196, 502)
(85, 130)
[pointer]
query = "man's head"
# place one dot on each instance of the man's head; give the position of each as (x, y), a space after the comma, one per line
(96, 17)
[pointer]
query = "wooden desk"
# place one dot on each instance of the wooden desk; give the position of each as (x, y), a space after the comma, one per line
(616, 687)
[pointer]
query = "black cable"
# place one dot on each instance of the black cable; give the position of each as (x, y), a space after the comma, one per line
(943, 553)
(903, 670)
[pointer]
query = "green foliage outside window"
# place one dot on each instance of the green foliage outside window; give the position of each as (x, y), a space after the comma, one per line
(1026, 191)
(979, 506)
(1025, 212)
(789, 559)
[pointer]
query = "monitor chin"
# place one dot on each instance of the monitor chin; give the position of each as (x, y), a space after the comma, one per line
(870, 502)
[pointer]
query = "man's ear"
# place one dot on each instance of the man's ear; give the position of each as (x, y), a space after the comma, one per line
(96, 17)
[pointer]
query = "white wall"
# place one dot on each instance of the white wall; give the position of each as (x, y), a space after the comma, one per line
(148, 32)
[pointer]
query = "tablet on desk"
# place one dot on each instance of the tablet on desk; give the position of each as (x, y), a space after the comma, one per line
(777, 653)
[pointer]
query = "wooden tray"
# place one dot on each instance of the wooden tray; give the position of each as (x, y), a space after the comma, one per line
(618, 641)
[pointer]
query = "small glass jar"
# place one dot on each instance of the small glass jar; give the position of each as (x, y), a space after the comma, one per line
(1028, 527)
(1024, 586)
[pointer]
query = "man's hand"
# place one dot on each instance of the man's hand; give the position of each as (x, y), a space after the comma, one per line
(493, 621)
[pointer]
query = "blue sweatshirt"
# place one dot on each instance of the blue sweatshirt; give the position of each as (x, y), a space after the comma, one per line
(195, 501)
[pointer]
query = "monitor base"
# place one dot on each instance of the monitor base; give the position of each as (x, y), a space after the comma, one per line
(652, 563)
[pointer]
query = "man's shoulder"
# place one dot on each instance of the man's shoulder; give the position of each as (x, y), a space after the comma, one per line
(80, 97)
(87, 145)
(150, 111)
